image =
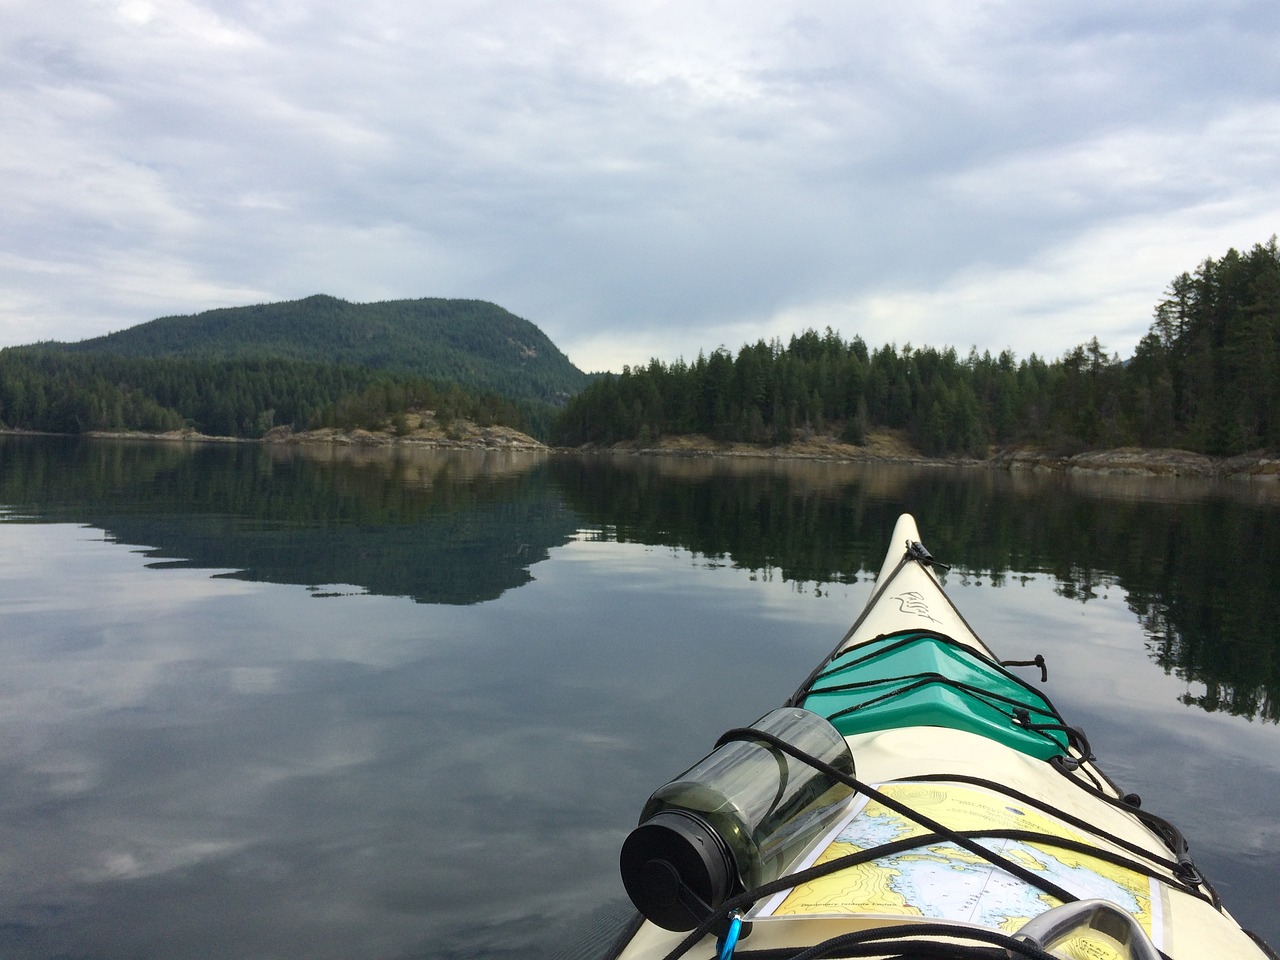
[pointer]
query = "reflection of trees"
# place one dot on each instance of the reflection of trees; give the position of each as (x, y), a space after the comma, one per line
(438, 526)
(800, 520)
(1206, 596)
(1197, 561)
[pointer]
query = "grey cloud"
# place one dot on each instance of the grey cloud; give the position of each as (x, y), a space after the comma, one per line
(669, 175)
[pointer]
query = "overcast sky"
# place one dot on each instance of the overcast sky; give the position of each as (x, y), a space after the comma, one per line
(639, 178)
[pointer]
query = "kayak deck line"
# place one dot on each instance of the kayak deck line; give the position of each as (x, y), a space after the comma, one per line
(1181, 869)
(978, 825)
(924, 678)
(1162, 870)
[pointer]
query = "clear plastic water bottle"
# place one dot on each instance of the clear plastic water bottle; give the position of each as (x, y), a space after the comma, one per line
(735, 819)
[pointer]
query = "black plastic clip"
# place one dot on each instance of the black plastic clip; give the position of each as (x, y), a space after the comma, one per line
(918, 551)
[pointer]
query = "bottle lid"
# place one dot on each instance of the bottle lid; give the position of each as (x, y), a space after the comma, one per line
(676, 869)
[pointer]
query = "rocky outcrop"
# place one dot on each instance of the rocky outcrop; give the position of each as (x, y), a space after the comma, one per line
(893, 447)
(1138, 461)
(460, 434)
(418, 429)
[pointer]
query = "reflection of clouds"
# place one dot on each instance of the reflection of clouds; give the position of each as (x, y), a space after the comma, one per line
(812, 630)
(115, 633)
(245, 742)
(368, 776)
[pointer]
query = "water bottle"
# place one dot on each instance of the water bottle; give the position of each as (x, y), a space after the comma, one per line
(735, 819)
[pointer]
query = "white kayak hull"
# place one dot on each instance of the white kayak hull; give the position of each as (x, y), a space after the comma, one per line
(967, 780)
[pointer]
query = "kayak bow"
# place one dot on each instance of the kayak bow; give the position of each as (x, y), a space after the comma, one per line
(913, 798)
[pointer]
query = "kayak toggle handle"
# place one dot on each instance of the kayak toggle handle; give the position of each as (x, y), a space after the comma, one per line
(1037, 662)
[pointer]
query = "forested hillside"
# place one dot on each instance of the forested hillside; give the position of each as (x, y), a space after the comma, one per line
(307, 363)
(1206, 378)
(477, 345)
(60, 392)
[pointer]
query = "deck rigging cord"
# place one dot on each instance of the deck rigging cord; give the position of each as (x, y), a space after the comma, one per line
(1010, 866)
(1074, 768)
(938, 833)
(1038, 661)
(942, 939)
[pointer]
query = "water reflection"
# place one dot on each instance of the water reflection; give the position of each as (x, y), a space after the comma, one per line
(456, 526)
(223, 766)
(1197, 560)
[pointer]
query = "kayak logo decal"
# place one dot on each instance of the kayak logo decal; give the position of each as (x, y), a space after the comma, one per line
(913, 603)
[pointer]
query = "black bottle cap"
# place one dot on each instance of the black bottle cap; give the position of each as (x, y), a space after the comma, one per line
(676, 869)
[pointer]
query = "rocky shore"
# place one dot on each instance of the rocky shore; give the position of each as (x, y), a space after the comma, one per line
(881, 447)
(1137, 461)
(892, 447)
(459, 435)
(417, 429)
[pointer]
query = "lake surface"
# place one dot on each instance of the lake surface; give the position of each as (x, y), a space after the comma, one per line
(365, 704)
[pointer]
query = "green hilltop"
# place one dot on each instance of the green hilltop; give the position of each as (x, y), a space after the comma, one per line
(321, 361)
(477, 345)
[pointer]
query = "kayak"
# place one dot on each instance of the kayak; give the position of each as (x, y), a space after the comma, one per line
(915, 797)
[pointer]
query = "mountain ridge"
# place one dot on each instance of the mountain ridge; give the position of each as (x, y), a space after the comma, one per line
(474, 343)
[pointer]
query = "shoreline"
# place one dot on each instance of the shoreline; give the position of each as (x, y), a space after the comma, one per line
(890, 448)
(885, 447)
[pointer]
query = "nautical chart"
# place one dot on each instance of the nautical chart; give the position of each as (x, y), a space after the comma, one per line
(946, 882)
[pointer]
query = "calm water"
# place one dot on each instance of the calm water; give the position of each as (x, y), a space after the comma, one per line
(295, 704)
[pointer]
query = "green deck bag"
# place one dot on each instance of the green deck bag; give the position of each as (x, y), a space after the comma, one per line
(919, 678)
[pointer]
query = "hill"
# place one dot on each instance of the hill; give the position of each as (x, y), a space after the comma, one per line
(477, 345)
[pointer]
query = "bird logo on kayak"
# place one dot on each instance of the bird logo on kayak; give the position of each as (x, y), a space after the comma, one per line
(913, 603)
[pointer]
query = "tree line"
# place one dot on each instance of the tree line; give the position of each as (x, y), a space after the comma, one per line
(1206, 378)
(60, 392)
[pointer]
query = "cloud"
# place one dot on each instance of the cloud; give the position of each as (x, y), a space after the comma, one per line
(637, 180)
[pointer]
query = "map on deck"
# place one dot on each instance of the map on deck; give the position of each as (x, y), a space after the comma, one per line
(943, 881)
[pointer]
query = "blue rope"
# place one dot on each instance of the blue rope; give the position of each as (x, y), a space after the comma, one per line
(725, 945)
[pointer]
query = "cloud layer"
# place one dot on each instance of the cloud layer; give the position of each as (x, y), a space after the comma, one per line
(638, 180)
